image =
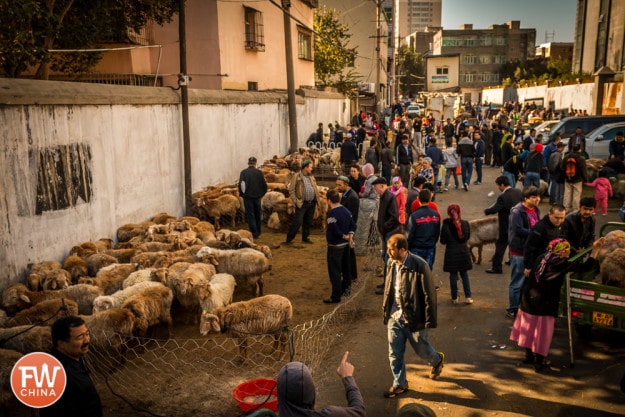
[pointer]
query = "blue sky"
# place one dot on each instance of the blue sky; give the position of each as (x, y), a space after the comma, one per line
(544, 15)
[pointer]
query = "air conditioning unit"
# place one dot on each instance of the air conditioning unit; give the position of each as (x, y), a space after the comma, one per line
(366, 87)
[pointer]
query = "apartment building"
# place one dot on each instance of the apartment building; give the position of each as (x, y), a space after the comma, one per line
(483, 51)
(555, 50)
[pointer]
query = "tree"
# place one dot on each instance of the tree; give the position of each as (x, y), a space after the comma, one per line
(332, 55)
(31, 28)
(411, 70)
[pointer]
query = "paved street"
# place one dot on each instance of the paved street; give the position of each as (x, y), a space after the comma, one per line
(482, 376)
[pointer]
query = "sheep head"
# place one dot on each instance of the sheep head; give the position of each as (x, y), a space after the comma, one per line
(209, 323)
(101, 303)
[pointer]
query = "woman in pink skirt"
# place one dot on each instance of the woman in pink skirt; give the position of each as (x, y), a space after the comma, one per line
(533, 326)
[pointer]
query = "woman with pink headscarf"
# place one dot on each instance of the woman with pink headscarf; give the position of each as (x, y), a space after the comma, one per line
(454, 235)
(398, 190)
(533, 326)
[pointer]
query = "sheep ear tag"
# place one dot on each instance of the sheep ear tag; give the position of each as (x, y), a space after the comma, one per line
(38, 379)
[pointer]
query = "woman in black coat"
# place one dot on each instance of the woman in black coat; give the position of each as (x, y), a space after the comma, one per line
(454, 234)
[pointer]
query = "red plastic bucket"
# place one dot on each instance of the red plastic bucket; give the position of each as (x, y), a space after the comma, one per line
(256, 394)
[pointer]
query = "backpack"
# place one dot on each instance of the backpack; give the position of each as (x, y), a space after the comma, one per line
(570, 169)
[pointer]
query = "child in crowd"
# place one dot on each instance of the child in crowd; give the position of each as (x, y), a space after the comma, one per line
(398, 190)
(451, 164)
(603, 190)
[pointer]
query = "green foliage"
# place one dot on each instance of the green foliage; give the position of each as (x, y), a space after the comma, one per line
(332, 54)
(30, 28)
(410, 66)
(539, 71)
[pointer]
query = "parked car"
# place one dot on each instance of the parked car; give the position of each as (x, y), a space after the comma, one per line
(415, 110)
(598, 141)
(545, 129)
(567, 126)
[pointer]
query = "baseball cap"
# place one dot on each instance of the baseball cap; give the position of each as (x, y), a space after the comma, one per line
(305, 163)
(379, 180)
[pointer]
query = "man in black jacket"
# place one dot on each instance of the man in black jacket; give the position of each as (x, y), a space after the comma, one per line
(508, 198)
(350, 200)
(388, 217)
(579, 226)
(252, 187)
(70, 341)
(409, 308)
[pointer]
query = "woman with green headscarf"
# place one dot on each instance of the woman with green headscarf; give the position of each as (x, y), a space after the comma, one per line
(534, 323)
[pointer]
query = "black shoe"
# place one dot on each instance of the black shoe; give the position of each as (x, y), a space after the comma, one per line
(307, 241)
(393, 392)
(347, 292)
(507, 262)
(494, 271)
(331, 301)
(511, 314)
(287, 242)
(379, 291)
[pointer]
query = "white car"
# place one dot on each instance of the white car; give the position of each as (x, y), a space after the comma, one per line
(545, 128)
(415, 110)
(598, 141)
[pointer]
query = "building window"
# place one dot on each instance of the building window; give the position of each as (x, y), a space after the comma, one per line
(469, 59)
(500, 40)
(304, 44)
(486, 40)
(252, 86)
(499, 59)
(485, 59)
(470, 78)
(442, 70)
(254, 30)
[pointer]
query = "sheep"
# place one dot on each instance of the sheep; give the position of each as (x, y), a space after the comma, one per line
(152, 259)
(128, 231)
(245, 243)
(273, 222)
(613, 240)
(17, 297)
(110, 330)
(187, 284)
(269, 200)
(482, 231)
(141, 275)
(122, 255)
(151, 306)
(8, 401)
(162, 218)
(192, 220)
(206, 237)
(115, 300)
(179, 226)
(228, 236)
(612, 268)
(97, 261)
(26, 339)
(203, 226)
(218, 293)
(269, 314)
(84, 250)
(247, 265)
(42, 313)
(48, 275)
(110, 279)
(76, 266)
(220, 206)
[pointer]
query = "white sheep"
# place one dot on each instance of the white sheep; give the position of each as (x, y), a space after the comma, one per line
(115, 300)
(151, 306)
(140, 276)
(269, 314)
(218, 293)
(17, 297)
(26, 339)
(482, 231)
(247, 265)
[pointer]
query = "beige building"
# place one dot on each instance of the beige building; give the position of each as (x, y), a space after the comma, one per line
(442, 73)
(421, 14)
(229, 46)
(483, 51)
(555, 50)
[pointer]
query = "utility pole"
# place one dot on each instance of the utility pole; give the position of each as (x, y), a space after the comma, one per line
(183, 81)
(290, 78)
(378, 36)
(394, 29)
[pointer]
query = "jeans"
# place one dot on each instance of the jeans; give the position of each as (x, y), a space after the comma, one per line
(556, 192)
(532, 178)
(336, 265)
(478, 168)
(517, 278)
(428, 255)
(448, 173)
(453, 284)
(303, 217)
(252, 215)
(511, 178)
(398, 333)
(386, 173)
(466, 165)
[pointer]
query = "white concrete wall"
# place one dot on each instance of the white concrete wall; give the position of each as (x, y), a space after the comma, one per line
(135, 138)
(577, 96)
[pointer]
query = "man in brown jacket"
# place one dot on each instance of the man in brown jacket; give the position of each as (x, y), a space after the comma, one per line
(303, 190)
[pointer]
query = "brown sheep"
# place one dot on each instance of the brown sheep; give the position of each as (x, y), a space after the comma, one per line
(163, 218)
(98, 261)
(17, 297)
(48, 275)
(128, 231)
(269, 314)
(151, 307)
(122, 255)
(110, 331)
(613, 268)
(42, 313)
(225, 205)
(76, 266)
(27, 339)
(8, 401)
(204, 226)
(110, 278)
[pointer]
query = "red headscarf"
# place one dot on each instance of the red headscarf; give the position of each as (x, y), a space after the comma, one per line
(453, 210)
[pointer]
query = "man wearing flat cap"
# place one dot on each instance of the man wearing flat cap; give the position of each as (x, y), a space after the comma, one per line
(252, 187)
(388, 217)
(303, 190)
